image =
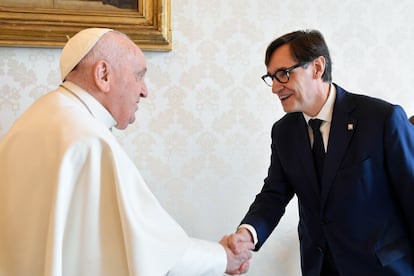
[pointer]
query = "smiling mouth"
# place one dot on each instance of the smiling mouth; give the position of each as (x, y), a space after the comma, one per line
(284, 97)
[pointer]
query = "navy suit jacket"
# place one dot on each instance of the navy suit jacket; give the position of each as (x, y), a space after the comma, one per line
(364, 210)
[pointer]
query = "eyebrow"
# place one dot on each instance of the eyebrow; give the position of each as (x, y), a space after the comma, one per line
(281, 69)
(143, 70)
(141, 73)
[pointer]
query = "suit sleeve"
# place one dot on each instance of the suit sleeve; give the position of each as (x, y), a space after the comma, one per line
(269, 205)
(399, 160)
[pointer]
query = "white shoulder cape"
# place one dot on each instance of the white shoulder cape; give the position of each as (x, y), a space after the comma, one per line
(72, 203)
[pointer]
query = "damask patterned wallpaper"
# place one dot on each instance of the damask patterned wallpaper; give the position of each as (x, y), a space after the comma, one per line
(202, 137)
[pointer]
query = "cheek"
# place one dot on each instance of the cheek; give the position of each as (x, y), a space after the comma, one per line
(301, 91)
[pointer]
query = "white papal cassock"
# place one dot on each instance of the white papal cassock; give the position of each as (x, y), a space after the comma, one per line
(72, 203)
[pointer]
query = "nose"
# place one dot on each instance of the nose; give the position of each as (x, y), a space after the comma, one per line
(144, 90)
(276, 86)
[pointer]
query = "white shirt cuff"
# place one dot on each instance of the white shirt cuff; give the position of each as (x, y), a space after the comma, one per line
(252, 232)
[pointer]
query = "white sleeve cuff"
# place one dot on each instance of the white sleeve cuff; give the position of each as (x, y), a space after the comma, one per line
(201, 258)
(252, 232)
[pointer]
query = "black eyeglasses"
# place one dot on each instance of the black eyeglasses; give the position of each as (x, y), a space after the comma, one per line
(282, 75)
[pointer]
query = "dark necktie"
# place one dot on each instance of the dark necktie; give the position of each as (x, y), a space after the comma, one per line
(318, 149)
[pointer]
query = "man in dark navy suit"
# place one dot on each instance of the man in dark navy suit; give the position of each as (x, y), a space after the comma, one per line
(353, 174)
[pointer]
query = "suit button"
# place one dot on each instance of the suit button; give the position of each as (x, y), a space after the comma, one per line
(320, 250)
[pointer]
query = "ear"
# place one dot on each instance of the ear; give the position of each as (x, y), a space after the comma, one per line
(319, 66)
(102, 74)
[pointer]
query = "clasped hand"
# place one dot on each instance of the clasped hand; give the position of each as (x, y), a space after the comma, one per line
(238, 248)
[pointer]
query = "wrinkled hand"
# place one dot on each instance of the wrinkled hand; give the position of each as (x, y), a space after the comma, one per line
(237, 246)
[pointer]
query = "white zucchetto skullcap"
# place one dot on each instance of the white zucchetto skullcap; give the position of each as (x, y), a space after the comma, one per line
(77, 47)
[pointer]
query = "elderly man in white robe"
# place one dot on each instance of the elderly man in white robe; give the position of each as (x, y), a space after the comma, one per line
(71, 201)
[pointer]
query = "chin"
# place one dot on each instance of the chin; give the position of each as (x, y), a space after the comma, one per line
(121, 127)
(290, 108)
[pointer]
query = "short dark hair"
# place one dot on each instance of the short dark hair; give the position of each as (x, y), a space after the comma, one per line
(305, 46)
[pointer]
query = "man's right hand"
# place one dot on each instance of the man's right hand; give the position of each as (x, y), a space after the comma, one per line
(238, 248)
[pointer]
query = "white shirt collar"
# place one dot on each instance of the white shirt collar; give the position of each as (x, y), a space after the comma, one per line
(96, 109)
(325, 113)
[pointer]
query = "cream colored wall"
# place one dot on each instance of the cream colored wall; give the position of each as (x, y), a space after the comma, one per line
(202, 137)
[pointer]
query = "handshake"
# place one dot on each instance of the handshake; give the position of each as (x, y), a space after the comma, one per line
(238, 248)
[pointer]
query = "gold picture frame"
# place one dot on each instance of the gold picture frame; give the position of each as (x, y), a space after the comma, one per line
(149, 27)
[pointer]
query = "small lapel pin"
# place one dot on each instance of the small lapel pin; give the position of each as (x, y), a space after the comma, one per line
(350, 126)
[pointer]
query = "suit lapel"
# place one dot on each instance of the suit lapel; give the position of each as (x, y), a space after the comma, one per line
(343, 126)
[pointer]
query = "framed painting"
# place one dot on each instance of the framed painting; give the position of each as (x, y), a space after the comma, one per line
(49, 23)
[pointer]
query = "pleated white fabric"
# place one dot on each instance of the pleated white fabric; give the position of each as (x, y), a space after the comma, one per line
(73, 203)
